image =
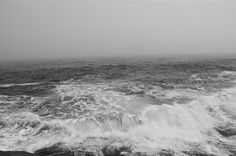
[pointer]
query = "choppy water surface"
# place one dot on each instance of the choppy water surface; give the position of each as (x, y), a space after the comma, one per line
(182, 107)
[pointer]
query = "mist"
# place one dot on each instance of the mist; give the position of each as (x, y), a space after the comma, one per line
(79, 29)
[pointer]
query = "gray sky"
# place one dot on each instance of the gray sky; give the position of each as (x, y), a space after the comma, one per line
(69, 29)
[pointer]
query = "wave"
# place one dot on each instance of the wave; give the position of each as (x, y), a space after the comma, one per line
(20, 84)
(91, 116)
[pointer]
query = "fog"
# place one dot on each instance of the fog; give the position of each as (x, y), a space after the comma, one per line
(80, 29)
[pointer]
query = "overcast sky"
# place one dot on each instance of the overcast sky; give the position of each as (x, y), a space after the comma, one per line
(95, 28)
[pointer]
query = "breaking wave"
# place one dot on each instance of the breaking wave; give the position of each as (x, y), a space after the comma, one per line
(147, 117)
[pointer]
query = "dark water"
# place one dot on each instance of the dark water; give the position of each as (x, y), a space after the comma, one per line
(148, 107)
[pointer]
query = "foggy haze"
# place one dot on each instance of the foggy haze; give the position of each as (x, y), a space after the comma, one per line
(79, 29)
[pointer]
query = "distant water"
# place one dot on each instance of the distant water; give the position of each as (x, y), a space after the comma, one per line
(180, 107)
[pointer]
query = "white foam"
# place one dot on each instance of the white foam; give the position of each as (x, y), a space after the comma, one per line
(115, 117)
(19, 84)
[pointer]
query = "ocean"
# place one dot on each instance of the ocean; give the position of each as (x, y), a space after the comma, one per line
(113, 107)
